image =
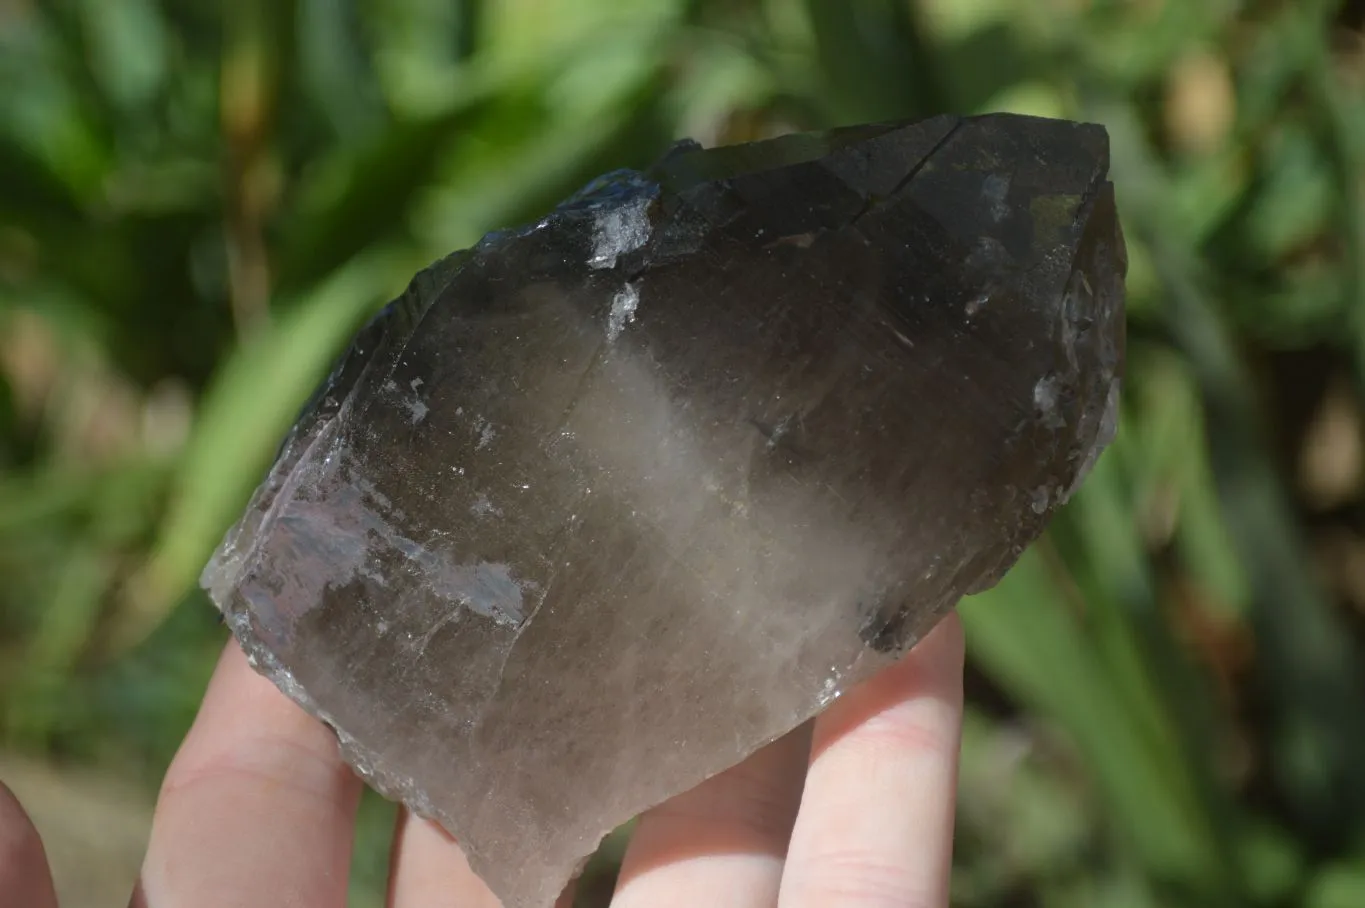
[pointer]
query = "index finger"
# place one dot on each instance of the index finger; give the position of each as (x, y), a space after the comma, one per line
(257, 808)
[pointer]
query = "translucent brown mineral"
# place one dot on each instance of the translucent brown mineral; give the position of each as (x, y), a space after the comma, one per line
(602, 505)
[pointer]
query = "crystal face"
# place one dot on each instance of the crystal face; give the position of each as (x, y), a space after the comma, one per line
(602, 505)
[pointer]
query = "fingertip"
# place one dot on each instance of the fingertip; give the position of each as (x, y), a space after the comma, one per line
(939, 655)
(945, 648)
(236, 680)
(929, 675)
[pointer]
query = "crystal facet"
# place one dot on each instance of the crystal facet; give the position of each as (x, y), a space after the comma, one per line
(602, 505)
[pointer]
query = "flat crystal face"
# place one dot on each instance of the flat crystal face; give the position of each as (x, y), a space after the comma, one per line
(603, 505)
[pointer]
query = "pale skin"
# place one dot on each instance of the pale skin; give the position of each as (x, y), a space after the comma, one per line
(853, 811)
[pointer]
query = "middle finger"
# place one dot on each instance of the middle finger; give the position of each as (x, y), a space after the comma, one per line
(723, 843)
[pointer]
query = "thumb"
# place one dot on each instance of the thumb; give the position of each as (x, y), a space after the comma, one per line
(25, 881)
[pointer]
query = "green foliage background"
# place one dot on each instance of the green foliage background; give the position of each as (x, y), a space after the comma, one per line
(200, 203)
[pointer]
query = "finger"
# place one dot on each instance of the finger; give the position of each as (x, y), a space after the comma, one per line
(427, 869)
(876, 821)
(25, 881)
(257, 807)
(722, 843)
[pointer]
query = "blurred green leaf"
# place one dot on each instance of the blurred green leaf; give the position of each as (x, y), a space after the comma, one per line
(875, 61)
(336, 67)
(973, 87)
(1018, 823)
(248, 410)
(127, 43)
(1339, 886)
(43, 110)
(1172, 484)
(1294, 202)
(39, 709)
(361, 196)
(1026, 635)
(376, 821)
(1132, 45)
(33, 191)
(1273, 862)
(1310, 670)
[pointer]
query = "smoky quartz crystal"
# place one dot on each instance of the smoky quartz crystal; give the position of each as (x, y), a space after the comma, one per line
(602, 505)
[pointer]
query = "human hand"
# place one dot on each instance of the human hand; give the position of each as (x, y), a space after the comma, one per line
(855, 809)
